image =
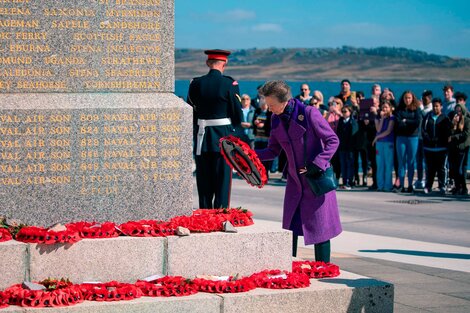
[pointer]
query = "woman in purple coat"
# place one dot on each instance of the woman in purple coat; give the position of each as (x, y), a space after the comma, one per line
(314, 217)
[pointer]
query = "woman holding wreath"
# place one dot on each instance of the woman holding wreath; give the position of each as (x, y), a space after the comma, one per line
(309, 143)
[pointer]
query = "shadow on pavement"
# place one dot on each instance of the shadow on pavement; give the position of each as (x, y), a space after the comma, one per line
(422, 253)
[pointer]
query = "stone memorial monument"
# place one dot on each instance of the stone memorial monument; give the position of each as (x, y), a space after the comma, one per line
(89, 126)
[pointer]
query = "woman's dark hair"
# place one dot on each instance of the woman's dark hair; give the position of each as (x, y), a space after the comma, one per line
(278, 89)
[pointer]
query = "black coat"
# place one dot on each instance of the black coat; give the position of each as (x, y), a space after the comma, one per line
(215, 96)
(346, 133)
(435, 133)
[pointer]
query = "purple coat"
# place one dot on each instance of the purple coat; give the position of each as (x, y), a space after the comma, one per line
(318, 217)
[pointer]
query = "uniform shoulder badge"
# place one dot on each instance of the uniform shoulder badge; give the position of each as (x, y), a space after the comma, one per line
(235, 83)
(301, 117)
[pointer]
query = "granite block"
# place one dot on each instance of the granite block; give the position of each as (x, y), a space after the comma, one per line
(198, 303)
(95, 157)
(252, 249)
(345, 293)
(13, 264)
(123, 259)
(87, 46)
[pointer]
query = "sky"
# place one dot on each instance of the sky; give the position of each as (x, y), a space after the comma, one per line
(438, 27)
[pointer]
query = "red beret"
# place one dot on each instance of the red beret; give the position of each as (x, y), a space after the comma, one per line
(217, 54)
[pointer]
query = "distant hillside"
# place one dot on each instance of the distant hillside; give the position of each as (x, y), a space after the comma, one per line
(330, 64)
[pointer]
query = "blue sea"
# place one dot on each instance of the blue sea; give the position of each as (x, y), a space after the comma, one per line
(332, 88)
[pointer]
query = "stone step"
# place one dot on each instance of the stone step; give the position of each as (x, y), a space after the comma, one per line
(345, 293)
(126, 259)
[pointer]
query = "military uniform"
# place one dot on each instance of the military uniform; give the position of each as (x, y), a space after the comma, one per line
(217, 111)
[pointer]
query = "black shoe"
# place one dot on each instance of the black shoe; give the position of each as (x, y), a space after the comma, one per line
(373, 188)
(455, 191)
(410, 189)
(463, 192)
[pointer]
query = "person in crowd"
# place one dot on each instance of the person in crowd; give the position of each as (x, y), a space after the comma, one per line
(347, 129)
(409, 119)
(461, 98)
(376, 91)
(459, 143)
(262, 130)
(245, 131)
(332, 117)
(449, 100)
(435, 133)
(305, 214)
(384, 143)
(426, 102)
(387, 94)
(360, 145)
(256, 101)
(320, 101)
(346, 95)
(217, 112)
(316, 102)
(425, 107)
(371, 131)
(304, 95)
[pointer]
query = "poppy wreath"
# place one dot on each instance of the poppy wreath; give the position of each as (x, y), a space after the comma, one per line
(238, 216)
(277, 279)
(242, 164)
(33, 234)
(168, 286)
(94, 230)
(110, 291)
(224, 286)
(4, 297)
(315, 269)
(147, 228)
(57, 293)
(5, 235)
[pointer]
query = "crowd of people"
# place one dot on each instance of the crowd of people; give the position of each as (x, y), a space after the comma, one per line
(418, 139)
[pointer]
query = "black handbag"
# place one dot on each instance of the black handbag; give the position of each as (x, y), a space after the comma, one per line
(320, 181)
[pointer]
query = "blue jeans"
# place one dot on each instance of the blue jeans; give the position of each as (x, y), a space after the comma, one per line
(347, 166)
(407, 147)
(384, 157)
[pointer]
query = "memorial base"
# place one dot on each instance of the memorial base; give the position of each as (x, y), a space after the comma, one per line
(251, 250)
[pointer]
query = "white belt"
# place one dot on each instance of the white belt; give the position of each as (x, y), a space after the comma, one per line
(202, 129)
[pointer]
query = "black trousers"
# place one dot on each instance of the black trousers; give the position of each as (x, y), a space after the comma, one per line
(458, 167)
(214, 181)
(435, 162)
(364, 162)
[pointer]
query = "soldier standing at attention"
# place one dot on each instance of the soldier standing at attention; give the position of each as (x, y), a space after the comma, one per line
(217, 111)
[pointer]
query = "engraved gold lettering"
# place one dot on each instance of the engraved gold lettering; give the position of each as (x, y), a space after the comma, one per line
(34, 143)
(10, 181)
(59, 142)
(15, 131)
(9, 119)
(109, 154)
(132, 73)
(133, 49)
(144, 37)
(26, 72)
(12, 156)
(152, 141)
(169, 152)
(170, 140)
(41, 85)
(61, 130)
(121, 85)
(120, 142)
(30, 36)
(166, 176)
(148, 117)
(61, 155)
(64, 60)
(10, 144)
(148, 165)
(86, 142)
(170, 128)
(89, 166)
(19, 23)
(98, 36)
(148, 153)
(43, 180)
(148, 129)
(138, 2)
(130, 61)
(29, 48)
(35, 155)
(120, 117)
(83, 73)
(15, 11)
(60, 118)
(85, 48)
(69, 12)
(60, 167)
(16, 60)
(5, 84)
(6, 36)
(89, 117)
(89, 154)
(34, 168)
(119, 129)
(89, 130)
(71, 24)
(132, 13)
